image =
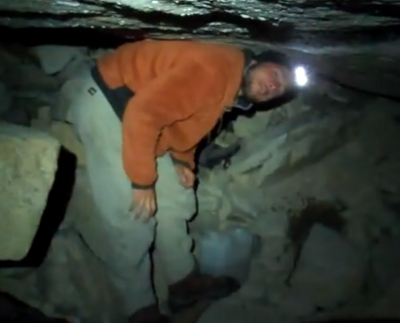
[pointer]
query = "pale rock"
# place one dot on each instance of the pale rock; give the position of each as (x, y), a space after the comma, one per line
(258, 148)
(208, 192)
(27, 170)
(75, 282)
(286, 112)
(226, 139)
(330, 270)
(54, 58)
(209, 202)
(218, 177)
(253, 153)
(5, 98)
(303, 146)
(247, 199)
(213, 207)
(285, 149)
(212, 202)
(245, 127)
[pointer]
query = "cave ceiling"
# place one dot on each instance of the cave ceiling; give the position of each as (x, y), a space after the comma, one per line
(355, 43)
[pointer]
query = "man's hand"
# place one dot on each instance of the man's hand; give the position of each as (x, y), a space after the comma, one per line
(144, 204)
(186, 176)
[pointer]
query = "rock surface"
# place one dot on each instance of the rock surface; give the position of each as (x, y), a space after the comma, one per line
(352, 43)
(54, 58)
(282, 20)
(27, 170)
(329, 269)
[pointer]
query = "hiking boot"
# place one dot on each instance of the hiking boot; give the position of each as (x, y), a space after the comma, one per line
(199, 287)
(149, 314)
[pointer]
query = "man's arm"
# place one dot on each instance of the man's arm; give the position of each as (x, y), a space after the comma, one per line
(172, 97)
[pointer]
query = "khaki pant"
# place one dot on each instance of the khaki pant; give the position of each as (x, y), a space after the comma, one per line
(119, 240)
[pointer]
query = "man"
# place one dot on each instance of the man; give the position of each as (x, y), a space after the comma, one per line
(140, 114)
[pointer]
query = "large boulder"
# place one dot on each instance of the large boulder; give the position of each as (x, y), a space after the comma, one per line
(329, 271)
(281, 150)
(28, 163)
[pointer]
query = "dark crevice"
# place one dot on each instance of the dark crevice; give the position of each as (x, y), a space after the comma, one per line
(274, 35)
(87, 37)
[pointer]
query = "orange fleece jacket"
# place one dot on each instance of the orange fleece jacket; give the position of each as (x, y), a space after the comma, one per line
(181, 90)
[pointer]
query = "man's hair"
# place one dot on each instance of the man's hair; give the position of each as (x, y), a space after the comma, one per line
(272, 56)
(279, 58)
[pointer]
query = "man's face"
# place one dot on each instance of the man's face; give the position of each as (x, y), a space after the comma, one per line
(266, 81)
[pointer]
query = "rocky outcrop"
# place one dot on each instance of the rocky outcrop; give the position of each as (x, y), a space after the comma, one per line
(350, 43)
(27, 170)
(282, 20)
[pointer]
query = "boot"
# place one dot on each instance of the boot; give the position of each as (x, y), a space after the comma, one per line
(199, 287)
(149, 314)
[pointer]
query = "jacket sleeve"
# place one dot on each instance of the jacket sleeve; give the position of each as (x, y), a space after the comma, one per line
(185, 158)
(171, 97)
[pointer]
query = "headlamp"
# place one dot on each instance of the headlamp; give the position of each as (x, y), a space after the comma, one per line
(300, 76)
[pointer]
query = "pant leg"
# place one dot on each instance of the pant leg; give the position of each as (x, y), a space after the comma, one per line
(176, 205)
(120, 241)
